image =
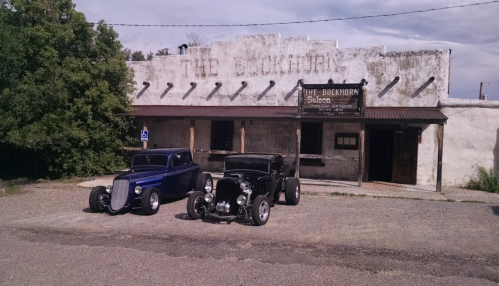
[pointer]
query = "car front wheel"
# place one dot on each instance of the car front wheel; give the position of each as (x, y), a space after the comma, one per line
(260, 211)
(195, 205)
(292, 191)
(150, 201)
(98, 199)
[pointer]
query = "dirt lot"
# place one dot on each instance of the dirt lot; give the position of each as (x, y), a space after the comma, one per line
(49, 236)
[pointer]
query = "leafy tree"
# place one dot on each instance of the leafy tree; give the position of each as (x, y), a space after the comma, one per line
(127, 54)
(150, 55)
(138, 56)
(162, 52)
(62, 84)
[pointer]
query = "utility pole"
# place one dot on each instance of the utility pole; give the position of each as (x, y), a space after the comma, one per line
(481, 87)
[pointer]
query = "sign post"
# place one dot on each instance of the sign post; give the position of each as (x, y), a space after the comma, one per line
(144, 137)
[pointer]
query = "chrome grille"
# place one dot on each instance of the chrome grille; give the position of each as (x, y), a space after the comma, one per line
(120, 194)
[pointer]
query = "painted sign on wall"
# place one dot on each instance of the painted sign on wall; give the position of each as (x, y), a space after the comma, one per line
(331, 98)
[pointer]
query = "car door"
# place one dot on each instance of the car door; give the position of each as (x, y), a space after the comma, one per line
(174, 176)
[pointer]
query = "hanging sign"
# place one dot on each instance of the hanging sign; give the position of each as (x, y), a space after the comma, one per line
(331, 98)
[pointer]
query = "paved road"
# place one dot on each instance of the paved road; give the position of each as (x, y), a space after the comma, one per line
(49, 237)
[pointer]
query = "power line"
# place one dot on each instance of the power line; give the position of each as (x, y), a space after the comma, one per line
(304, 22)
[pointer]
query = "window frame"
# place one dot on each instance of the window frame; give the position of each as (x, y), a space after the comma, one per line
(214, 138)
(345, 146)
(319, 139)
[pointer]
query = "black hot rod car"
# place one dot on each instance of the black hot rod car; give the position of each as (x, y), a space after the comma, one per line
(252, 183)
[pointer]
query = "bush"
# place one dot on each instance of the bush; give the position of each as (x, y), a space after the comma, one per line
(485, 180)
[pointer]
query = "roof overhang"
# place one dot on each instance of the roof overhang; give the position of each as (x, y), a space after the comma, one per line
(379, 115)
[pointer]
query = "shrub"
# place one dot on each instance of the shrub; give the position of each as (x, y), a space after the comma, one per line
(485, 180)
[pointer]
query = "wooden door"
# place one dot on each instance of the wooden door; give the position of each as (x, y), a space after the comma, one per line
(405, 156)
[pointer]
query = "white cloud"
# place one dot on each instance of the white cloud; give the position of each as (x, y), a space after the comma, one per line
(470, 32)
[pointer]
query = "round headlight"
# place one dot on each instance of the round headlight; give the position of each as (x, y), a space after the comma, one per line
(109, 189)
(241, 200)
(209, 197)
(138, 190)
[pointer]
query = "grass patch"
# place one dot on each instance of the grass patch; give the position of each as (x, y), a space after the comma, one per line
(484, 180)
(13, 187)
(473, 202)
(339, 194)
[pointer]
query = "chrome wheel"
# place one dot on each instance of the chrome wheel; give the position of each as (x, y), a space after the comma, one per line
(103, 199)
(209, 186)
(297, 192)
(263, 210)
(154, 200)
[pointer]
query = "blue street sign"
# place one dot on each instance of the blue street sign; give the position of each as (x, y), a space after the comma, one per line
(144, 135)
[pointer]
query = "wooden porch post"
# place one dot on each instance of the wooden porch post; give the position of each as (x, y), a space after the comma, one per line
(243, 133)
(440, 153)
(144, 127)
(191, 146)
(361, 153)
(298, 140)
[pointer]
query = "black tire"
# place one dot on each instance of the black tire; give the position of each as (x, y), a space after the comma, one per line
(260, 211)
(201, 183)
(195, 203)
(98, 199)
(292, 191)
(150, 201)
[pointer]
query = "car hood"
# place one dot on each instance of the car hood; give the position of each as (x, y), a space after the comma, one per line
(139, 174)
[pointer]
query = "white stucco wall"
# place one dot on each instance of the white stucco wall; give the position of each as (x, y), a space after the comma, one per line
(471, 139)
(258, 59)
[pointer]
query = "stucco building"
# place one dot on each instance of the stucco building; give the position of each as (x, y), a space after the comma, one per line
(351, 114)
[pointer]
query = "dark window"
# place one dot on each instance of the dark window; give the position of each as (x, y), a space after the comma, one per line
(347, 141)
(177, 160)
(221, 135)
(311, 138)
(144, 160)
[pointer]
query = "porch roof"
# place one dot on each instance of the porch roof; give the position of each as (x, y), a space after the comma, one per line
(430, 115)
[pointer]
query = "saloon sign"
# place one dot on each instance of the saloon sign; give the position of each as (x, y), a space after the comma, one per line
(331, 98)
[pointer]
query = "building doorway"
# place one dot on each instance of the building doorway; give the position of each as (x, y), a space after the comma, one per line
(405, 156)
(381, 154)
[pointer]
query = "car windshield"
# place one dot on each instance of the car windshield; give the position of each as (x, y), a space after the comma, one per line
(247, 165)
(149, 160)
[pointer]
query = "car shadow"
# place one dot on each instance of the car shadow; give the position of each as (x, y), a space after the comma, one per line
(214, 220)
(138, 210)
(87, 210)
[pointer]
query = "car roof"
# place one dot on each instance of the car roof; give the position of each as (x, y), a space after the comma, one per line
(163, 151)
(268, 157)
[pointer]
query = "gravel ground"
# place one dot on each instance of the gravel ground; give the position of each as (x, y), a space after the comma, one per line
(49, 236)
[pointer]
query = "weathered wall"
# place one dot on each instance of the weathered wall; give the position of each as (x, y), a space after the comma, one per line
(258, 59)
(471, 139)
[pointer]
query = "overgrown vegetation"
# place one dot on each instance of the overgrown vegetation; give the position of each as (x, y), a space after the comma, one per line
(13, 187)
(63, 83)
(484, 180)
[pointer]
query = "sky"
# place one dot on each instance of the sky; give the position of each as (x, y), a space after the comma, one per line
(471, 32)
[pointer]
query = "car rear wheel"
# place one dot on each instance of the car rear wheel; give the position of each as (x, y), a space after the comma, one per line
(98, 199)
(150, 201)
(260, 211)
(204, 183)
(292, 191)
(195, 205)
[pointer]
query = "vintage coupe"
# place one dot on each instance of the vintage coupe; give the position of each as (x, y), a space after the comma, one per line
(252, 183)
(155, 174)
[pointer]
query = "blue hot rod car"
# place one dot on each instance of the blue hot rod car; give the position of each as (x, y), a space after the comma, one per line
(155, 174)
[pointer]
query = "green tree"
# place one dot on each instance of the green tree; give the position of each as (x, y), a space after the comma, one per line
(150, 55)
(162, 52)
(138, 56)
(62, 85)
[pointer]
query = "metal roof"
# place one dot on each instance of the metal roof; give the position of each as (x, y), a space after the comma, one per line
(419, 114)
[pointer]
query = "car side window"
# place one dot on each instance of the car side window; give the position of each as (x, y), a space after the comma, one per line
(187, 158)
(177, 160)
